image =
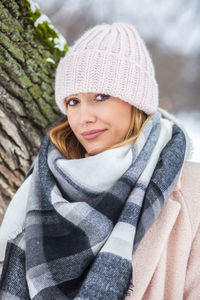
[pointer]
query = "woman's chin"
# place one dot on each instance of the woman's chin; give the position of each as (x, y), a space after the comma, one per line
(95, 151)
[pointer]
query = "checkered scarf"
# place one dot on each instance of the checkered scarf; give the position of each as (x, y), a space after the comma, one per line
(78, 244)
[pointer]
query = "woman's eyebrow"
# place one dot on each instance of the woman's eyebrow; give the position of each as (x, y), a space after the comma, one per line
(72, 95)
(76, 95)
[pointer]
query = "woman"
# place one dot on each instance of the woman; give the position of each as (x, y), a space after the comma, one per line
(110, 208)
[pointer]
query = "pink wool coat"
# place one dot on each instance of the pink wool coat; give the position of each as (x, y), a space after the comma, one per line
(166, 264)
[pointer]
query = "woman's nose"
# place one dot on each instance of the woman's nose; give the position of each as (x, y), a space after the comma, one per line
(87, 114)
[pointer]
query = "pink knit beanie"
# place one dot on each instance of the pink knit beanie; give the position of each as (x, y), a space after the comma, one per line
(109, 59)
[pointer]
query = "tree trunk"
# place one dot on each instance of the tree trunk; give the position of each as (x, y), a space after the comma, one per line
(28, 58)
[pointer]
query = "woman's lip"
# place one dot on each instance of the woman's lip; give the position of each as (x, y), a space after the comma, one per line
(88, 135)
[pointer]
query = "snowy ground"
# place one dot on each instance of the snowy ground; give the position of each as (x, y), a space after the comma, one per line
(191, 122)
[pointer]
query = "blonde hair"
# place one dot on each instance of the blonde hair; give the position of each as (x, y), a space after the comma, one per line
(67, 143)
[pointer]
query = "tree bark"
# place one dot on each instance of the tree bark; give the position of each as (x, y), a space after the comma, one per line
(27, 103)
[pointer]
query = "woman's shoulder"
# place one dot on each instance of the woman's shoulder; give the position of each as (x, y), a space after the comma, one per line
(190, 190)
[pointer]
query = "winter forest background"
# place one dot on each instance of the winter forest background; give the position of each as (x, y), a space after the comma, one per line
(171, 30)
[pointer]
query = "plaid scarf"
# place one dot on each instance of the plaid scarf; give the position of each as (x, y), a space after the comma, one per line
(77, 243)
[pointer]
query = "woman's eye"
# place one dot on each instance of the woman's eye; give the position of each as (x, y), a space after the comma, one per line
(72, 102)
(102, 97)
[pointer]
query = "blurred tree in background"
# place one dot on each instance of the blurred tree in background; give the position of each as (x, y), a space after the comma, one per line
(30, 49)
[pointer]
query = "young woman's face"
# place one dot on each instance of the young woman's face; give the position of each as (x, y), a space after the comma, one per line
(98, 120)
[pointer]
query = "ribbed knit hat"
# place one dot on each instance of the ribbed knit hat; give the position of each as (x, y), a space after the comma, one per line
(109, 59)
